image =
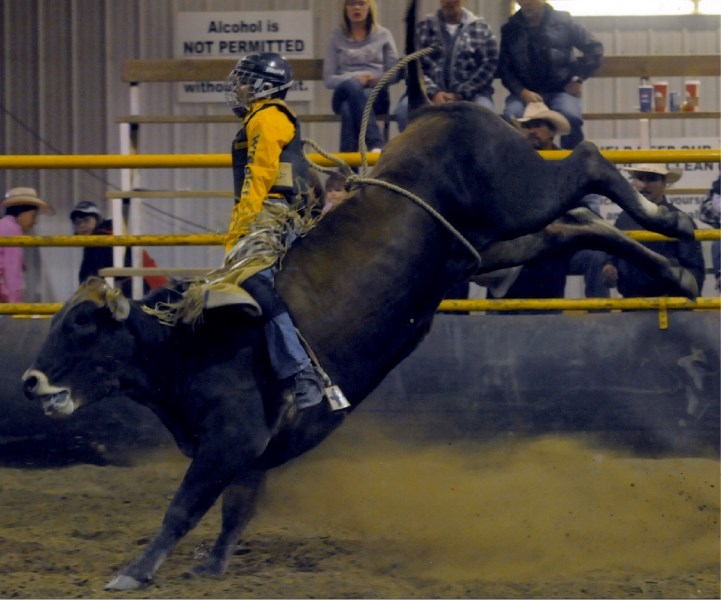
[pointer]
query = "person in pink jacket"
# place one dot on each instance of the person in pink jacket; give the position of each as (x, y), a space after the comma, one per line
(22, 206)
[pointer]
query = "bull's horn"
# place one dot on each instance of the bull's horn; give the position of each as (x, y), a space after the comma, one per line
(118, 304)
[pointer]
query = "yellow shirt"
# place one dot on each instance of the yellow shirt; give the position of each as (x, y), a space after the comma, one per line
(268, 132)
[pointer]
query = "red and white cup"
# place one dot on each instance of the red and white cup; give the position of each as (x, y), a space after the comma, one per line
(660, 96)
(692, 89)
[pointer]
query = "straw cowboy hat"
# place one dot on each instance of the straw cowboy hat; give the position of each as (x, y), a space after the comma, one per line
(539, 111)
(671, 175)
(26, 196)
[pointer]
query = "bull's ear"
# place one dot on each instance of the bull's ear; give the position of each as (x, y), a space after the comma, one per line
(118, 304)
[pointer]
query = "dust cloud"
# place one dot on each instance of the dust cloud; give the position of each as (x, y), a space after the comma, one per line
(511, 509)
(381, 511)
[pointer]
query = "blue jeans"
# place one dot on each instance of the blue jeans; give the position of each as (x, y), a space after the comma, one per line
(401, 111)
(349, 101)
(589, 263)
(716, 257)
(286, 353)
(566, 104)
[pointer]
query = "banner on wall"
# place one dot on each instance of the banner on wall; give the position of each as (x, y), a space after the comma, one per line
(698, 176)
(236, 34)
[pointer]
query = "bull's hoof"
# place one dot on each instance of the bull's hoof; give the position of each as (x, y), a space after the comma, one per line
(686, 282)
(123, 583)
(684, 227)
(676, 224)
(208, 568)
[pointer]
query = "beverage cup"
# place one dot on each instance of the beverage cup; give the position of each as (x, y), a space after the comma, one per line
(692, 95)
(660, 95)
(645, 97)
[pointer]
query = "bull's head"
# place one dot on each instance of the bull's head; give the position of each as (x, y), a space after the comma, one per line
(83, 354)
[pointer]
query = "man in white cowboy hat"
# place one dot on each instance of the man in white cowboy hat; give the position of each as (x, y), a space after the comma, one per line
(651, 181)
(546, 278)
(541, 125)
(22, 207)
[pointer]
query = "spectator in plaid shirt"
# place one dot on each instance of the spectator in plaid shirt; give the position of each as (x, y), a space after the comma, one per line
(465, 68)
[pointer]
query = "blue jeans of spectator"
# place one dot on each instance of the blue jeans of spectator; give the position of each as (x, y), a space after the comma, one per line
(401, 111)
(716, 257)
(286, 353)
(349, 101)
(589, 263)
(566, 104)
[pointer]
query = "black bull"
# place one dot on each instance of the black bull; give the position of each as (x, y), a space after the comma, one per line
(362, 287)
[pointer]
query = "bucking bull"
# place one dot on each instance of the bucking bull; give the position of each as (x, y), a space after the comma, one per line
(362, 287)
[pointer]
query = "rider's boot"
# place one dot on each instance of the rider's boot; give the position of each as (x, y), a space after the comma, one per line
(287, 354)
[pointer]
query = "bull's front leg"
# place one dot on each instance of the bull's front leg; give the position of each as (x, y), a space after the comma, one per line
(239, 500)
(196, 495)
(212, 469)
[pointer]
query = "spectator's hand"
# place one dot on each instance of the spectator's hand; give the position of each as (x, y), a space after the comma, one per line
(574, 88)
(609, 275)
(441, 97)
(366, 79)
(528, 96)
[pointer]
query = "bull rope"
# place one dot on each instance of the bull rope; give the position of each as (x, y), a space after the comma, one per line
(354, 181)
(359, 182)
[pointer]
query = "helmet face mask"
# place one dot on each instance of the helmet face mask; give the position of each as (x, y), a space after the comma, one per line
(257, 76)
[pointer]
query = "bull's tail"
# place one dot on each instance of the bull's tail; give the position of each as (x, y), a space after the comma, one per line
(415, 89)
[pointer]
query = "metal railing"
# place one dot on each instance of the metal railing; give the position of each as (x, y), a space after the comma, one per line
(156, 161)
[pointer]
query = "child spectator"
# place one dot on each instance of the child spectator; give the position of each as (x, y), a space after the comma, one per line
(335, 191)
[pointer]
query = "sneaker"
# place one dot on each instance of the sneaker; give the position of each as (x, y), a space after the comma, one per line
(378, 150)
(307, 388)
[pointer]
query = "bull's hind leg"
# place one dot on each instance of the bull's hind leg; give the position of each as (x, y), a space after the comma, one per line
(582, 228)
(238, 507)
(602, 177)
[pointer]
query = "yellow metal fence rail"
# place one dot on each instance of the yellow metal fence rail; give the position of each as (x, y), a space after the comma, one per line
(197, 161)
(565, 304)
(157, 161)
(218, 239)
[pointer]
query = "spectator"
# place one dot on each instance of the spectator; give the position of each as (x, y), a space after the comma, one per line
(631, 281)
(316, 193)
(541, 125)
(467, 65)
(545, 277)
(22, 207)
(711, 214)
(359, 52)
(88, 220)
(335, 191)
(537, 63)
(269, 174)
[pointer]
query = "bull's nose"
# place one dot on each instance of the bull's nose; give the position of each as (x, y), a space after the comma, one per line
(31, 381)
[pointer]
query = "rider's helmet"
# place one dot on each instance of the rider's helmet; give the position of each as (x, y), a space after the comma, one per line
(260, 75)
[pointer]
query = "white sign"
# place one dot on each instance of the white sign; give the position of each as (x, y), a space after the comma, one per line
(695, 175)
(237, 34)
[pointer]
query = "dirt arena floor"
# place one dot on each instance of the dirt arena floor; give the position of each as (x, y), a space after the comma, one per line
(377, 512)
